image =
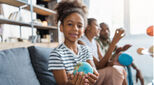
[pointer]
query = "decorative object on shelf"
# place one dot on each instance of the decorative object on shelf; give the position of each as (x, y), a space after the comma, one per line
(13, 39)
(51, 37)
(16, 16)
(37, 22)
(12, 16)
(32, 38)
(46, 38)
(44, 23)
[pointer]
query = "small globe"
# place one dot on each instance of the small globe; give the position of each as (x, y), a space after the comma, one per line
(151, 49)
(83, 67)
(139, 51)
(125, 59)
(150, 31)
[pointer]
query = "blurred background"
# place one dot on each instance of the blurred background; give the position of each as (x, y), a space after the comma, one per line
(135, 16)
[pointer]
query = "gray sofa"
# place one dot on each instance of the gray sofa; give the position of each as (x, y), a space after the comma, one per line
(25, 66)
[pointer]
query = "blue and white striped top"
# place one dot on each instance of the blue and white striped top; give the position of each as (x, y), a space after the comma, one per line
(64, 58)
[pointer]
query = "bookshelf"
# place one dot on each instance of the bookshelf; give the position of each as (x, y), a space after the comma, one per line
(12, 22)
(37, 9)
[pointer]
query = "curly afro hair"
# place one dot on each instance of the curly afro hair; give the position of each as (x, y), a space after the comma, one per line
(67, 7)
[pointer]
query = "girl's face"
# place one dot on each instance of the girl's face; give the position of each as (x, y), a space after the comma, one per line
(73, 27)
(94, 28)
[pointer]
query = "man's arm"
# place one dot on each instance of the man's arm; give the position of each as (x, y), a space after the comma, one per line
(138, 74)
(102, 63)
(119, 33)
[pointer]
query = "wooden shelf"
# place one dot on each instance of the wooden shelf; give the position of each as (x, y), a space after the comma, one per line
(41, 10)
(46, 27)
(7, 21)
(38, 9)
(12, 2)
(12, 22)
(4, 46)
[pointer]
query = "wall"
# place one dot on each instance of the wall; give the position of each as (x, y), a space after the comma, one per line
(108, 11)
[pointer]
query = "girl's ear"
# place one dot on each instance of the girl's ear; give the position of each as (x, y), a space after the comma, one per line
(61, 27)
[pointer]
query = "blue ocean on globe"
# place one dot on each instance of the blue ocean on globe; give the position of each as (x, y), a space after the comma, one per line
(125, 59)
(83, 67)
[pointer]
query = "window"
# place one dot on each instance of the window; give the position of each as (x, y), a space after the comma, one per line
(133, 15)
(141, 15)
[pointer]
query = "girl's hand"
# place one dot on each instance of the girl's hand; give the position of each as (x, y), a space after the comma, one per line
(77, 79)
(119, 33)
(92, 78)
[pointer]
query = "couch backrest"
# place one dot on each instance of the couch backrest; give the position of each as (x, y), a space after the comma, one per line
(39, 57)
(16, 68)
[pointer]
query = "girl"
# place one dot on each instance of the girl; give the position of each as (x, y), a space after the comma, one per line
(72, 15)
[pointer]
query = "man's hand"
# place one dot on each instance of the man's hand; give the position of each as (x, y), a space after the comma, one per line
(139, 77)
(122, 49)
(119, 33)
(126, 47)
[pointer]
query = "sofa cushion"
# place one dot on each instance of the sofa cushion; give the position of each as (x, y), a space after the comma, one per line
(16, 68)
(39, 58)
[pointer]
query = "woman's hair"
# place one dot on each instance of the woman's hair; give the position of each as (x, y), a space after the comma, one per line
(90, 20)
(67, 7)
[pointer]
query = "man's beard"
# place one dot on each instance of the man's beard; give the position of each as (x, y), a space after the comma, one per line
(104, 38)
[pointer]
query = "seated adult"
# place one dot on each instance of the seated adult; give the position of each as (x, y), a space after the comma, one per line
(104, 42)
(91, 31)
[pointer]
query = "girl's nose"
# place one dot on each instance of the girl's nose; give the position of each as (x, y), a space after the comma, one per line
(75, 27)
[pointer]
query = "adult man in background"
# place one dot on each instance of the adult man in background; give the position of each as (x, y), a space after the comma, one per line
(104, 42)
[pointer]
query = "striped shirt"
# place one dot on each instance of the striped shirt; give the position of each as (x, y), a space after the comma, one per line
(64, 58)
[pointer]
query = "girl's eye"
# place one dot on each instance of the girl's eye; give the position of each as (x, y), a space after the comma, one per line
(70, 24)
(80, 26)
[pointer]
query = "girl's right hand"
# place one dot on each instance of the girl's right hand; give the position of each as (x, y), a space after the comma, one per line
(77, 79)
